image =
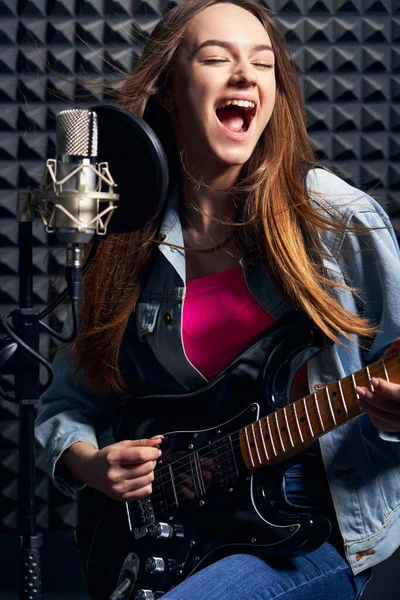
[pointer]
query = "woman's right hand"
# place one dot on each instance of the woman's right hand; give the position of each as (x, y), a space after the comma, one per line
(123, 471)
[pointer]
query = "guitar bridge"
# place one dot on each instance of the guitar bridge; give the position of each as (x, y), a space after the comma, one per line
(140, 516)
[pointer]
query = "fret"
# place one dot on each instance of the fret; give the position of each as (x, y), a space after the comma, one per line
(353, 379)
(287, 427)
(255, 443)
(369, 378)
(330, 404)
(343, 399)
(297, 421)
(269, 442)
(362, 378)
(270, 435)
(308, 417)
(248, 447)
(318, 411)
(384, 369)
(263, 440)
(314, 418)
(279, 431)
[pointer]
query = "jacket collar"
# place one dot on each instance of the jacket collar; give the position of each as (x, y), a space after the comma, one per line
(171, 233)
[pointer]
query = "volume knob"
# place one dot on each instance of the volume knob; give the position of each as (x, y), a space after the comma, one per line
(145, 595)
(161, 531)
(155, 564)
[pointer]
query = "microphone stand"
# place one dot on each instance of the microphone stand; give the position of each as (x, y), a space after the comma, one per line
(25, 331)
(23, 360)
(27, 394)
(71, 208)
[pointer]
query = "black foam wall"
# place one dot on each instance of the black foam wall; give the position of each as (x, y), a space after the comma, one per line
(348, 56)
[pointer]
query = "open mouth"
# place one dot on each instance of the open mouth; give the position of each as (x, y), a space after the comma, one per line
(236, 115)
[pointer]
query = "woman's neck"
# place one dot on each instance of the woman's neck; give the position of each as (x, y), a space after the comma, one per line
(204, 207)
(203, 214)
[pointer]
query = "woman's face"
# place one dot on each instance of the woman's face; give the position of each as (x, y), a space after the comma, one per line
(222, 87)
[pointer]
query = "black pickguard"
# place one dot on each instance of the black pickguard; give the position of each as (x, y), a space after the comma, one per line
(202, 489)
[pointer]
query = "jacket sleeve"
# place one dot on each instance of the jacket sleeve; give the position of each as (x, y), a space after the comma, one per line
(370, 262)
(70, 412)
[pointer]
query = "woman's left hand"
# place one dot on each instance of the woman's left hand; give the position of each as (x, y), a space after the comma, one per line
(382, 404)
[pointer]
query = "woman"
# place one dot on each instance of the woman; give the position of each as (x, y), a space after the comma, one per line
(263, 231)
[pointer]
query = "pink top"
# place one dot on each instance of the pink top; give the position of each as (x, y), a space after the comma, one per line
(220, 320)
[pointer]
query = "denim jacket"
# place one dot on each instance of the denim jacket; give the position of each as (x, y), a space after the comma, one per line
(362, 464)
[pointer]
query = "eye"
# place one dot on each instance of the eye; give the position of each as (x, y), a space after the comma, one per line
(264, 65)
(215, 60)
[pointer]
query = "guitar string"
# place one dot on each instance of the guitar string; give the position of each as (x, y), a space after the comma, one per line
(181, 494)
(312, 411)
(186, 466)
(187, 459)
(383, 363)
(158, 486)
(235, 449)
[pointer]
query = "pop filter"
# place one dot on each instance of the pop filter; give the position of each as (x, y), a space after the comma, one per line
(137, 163)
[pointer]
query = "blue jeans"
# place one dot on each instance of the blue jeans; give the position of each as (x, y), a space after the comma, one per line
(321, 575)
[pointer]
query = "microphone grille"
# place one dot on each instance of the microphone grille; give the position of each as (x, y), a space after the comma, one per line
(76, 133)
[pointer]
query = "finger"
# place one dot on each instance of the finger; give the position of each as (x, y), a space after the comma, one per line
(128, 485)
(207, 463)
(384, 396)
(207, 477)
(386, 388)
(395, 347)
(157, 439)
(138, 471)
(136, 494)
(185, 486)
(385, 426)
(381, 419)
(139, 454)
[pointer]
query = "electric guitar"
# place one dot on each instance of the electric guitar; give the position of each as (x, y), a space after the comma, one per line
(211, 494)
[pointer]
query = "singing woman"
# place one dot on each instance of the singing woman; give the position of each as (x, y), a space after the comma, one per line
(253, 230)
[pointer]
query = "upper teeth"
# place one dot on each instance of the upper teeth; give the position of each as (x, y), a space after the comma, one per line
(243, 103)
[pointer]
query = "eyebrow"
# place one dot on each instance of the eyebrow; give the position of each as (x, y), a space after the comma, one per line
(230, 46)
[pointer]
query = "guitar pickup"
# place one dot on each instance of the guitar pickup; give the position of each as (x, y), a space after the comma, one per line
(226, 472)
(140, 516)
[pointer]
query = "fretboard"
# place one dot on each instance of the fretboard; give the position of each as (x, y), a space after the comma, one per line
(291, 429)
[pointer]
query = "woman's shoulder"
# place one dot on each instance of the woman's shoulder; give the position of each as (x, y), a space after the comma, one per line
(341, 202)
(329, 192)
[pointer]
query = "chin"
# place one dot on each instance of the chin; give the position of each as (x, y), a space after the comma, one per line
(234, 156)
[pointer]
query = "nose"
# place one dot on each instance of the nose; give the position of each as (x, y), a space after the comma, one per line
(245, 76)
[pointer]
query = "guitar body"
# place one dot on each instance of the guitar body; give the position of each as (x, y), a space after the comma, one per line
(206, 503)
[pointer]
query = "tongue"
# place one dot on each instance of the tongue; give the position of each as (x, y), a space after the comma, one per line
(231, 119)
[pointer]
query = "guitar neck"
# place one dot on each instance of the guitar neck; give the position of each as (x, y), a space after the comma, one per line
(289, 430)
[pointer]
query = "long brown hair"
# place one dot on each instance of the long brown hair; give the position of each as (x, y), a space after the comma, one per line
(281, 221)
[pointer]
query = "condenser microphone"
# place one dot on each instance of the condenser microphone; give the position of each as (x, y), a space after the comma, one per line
(110, 175)
(76, 207)
(98, 150)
